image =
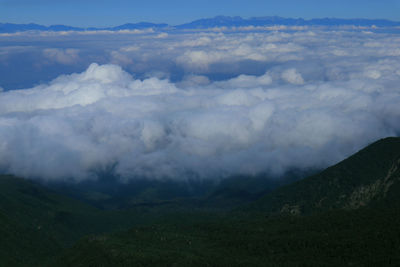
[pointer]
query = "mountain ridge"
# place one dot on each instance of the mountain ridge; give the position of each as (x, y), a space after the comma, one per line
(365, 178)
(204, 23)
(226, 21)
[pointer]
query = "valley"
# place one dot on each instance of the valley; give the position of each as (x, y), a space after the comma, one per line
(346, 215)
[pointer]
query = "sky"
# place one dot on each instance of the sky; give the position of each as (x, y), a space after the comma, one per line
(116, 12)
(204, 104)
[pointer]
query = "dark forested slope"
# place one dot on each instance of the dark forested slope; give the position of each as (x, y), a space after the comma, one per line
(348, 215)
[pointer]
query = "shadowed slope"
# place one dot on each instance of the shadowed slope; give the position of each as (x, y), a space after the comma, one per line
(369, 176)
(350, 218)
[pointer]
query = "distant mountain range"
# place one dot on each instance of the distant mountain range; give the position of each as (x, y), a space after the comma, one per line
(223, 21)
(12, 28)
(219, 21)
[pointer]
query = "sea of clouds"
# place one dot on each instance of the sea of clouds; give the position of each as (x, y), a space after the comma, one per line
(197, 104)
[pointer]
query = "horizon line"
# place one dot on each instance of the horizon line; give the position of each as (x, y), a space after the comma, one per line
(207, 18)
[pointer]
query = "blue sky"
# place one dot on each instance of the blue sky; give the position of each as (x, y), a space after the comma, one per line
(115, 12)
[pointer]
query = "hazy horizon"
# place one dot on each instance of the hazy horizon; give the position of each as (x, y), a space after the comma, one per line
(189, 20)
(111, 13)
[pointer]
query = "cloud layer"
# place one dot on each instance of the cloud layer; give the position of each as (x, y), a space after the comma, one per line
(302, 99)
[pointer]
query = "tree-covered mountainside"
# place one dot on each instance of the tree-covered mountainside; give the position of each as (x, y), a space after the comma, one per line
(37, 223)
(33, 220)
(368, 177)
(364, 237)
(346, 215)
(108, 192)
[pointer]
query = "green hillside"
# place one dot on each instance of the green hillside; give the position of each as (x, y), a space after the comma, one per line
(348, 215)
(369, 177)
(338, 238)
(36, 223)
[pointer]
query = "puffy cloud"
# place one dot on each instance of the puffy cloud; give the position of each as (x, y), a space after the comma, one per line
(63, 56)
(316, 53)
(199, 60)
(236, 103)
(292, 76)
(202, 52)
(83, 123)
(194, 80)
(246, 81)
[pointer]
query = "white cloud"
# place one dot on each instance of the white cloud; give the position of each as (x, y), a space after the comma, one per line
(80, 123)
(294, 99)
(246, 81)
(63, 56)
(292, 76)
(193, 81)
